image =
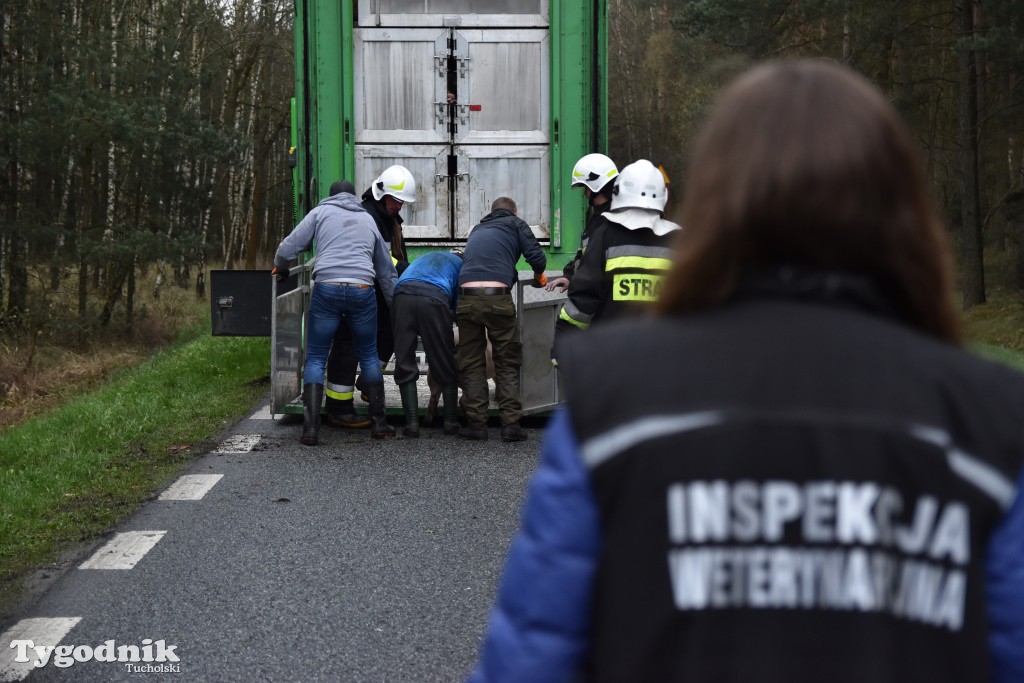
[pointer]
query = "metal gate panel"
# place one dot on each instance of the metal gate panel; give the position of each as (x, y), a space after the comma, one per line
(497, 13)
(537, 312)
(427, 218)
(503, 94)
(240, 302)
(287, 351)
(400, 85)
(491, 171)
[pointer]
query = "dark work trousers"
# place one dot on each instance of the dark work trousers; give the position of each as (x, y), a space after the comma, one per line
(481, 318)
(431, 319)
(342, 362)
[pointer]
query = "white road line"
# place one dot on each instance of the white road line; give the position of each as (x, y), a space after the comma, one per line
(124, 550)
(191, 487)
(45, 632)
(262, 414)
(239, 443)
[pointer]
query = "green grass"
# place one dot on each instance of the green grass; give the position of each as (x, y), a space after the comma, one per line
(75, 472)
(1015, 359)
(996, 329)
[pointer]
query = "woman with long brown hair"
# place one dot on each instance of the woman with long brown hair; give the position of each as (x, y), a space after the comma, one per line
(793, 473)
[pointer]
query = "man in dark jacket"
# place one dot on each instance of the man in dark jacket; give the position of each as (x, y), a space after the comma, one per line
(486, 311)
(383, 200)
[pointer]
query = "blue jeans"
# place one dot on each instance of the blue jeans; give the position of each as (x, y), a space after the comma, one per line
(329, 306)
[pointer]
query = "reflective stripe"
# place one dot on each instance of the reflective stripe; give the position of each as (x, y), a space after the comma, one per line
(610, 444)
(636, 287)
(573, 315)
(394, 261)
(638, 263)
(338, 392)
(565, 316)
(635, 250)
(969, 468)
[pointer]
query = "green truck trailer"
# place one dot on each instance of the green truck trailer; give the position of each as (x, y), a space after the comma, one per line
(478, 99)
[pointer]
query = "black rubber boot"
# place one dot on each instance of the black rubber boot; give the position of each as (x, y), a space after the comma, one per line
(411, 408)
(513, 432)
(312, 397)
(341, 413)
(450, 395)
(379, 429)
(474, 432)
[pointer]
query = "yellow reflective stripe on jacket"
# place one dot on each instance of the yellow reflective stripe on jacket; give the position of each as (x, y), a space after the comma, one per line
(394, 261)
(636, 287)
(338, 392)
(638, 258)
(574, 316)
(637, 263)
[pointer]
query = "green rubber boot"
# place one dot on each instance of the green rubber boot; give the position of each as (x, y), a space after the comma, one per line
(450, 395)
(411, 408)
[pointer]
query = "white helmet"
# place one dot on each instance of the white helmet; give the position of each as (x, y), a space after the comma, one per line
(641, 186)
(396, 181)
(594, 171)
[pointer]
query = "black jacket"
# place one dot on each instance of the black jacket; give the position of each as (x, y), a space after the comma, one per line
(793, 487)
(595, 212)
(494, 247)
(390, 228)
(620, 275)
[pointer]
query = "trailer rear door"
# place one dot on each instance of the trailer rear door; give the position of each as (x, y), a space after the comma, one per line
(458, 92)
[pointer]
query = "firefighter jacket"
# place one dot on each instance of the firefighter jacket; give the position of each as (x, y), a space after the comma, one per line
(595, 213)
(390, 228)
(794, 486)
(620, 274)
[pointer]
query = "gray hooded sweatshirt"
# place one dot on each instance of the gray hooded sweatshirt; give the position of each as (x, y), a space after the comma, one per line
(348, 246)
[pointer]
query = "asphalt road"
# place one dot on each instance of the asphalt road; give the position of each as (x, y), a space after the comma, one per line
(357, 560)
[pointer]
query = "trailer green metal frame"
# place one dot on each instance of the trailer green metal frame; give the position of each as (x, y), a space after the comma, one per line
(323, 134)
(323, 109)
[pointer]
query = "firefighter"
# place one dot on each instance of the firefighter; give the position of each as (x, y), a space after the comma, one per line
(594, 173)
(350, 256)
(383, 200)
(627, 256)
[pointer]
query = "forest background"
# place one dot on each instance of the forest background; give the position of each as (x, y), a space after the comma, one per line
(144, 142)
